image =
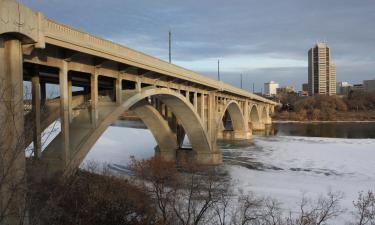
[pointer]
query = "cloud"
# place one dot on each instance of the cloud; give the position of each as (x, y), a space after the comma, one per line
(267, 39)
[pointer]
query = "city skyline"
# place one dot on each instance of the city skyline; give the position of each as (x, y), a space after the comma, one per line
(241, 34)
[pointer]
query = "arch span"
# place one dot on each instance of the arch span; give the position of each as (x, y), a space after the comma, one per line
(181, 108)
(255, 118)
(240, 128)
(154, 121)
(254, 114)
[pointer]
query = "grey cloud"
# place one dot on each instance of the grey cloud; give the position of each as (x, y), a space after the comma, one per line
(221, 28)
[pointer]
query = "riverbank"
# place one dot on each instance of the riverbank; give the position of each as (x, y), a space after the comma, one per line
(322, 121)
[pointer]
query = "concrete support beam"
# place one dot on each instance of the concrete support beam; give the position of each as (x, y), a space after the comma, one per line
(138, 86)
(195, 101)
(43, 93)
(118, 88)
(246, 115)
(12, 155)
(203, 106)
(94, 97)
(36, 104)
(70, 97)
(64, 112)
(211, 118)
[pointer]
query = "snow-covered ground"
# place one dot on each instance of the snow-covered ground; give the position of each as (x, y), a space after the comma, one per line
(282, 167)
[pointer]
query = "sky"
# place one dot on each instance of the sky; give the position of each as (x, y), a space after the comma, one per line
(263, 40)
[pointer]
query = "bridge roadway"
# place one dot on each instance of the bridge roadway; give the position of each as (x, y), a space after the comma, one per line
(97, 81)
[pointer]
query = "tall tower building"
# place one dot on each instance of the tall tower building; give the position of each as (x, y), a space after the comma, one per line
(322, 73)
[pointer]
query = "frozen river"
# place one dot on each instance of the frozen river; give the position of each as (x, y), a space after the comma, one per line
(282, 167)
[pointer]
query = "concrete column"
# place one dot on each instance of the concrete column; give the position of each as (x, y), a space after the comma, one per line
(43, 93)
(138, 86)
(157, 104)
(195, 101)
(94, 97)
(202, 110)
(64, 112)
(246, 114)
(210, 115)
(118, 87)
(187, 95)
(166, 111)
(162, 110)
(36, 102)
(70, 98)
(12, 155)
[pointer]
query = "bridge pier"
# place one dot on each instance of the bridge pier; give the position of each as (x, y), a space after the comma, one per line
(64, 112)
(36, 110)
(94, 97)
(258, 126)
(12, 155)
(190, 156)
(234, 135)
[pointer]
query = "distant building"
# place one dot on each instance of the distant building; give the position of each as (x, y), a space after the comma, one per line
(285, 90)
(321, 72)
(357, 87)
(270, 88)
(343, 88)
(305, 87)
(369, 85)
(303, 93)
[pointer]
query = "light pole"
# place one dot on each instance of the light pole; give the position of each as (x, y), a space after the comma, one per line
(241, 80)
(218, 69)
(170, 46)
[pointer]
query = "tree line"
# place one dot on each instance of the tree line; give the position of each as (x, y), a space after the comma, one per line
(358, 105)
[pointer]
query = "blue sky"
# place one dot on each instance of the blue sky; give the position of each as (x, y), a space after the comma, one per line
(264, 40)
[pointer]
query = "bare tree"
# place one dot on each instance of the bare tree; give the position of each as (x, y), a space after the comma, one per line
(12, 166)
(158, 177)
(364, 209)
(324, 209)
(249, 210)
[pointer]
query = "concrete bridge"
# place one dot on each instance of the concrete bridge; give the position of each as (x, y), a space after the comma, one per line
(97, 81)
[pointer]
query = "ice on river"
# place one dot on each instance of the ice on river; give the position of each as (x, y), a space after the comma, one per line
(285, 168)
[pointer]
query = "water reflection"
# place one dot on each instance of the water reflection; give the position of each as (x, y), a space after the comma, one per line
(334, 130)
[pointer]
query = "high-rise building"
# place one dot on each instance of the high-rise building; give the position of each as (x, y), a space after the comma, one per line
(322, 73)
(270, 88)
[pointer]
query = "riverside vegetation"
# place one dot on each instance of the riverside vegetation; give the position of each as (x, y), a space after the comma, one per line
(357, 106)
(162, 193)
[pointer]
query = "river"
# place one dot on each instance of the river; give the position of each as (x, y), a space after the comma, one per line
(285, 162)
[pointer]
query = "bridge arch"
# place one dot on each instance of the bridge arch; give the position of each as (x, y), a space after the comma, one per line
(240, 129)
(254, 114)
(235, 113)
(179, 105)
(159, 127)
